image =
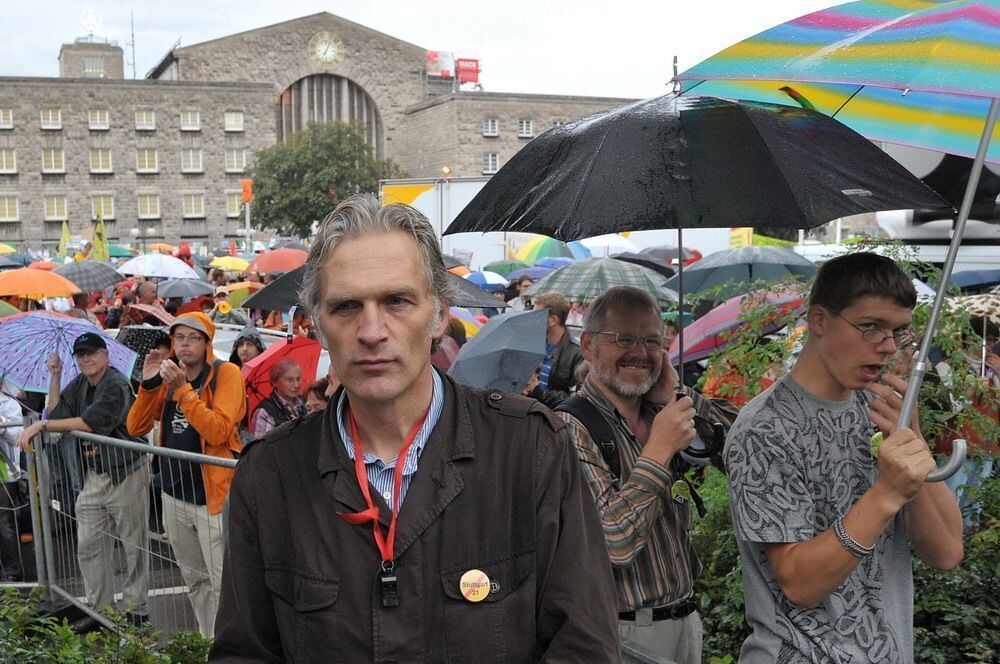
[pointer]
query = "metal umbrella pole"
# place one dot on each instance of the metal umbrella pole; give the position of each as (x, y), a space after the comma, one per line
(920, 367)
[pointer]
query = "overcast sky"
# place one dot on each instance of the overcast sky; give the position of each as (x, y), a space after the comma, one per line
(621, 48)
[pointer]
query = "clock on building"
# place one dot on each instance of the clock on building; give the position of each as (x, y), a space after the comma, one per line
(326, 50)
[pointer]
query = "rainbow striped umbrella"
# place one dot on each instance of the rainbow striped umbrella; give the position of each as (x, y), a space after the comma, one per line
(542, 247)
(911, 72)
(924, 73)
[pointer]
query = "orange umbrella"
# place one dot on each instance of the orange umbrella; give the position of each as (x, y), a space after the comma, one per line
(460, 270)
(35, 284)
(162, 247)
(43, 265)
(278, 260)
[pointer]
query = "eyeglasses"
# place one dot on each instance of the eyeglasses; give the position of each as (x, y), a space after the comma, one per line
(191, 339)
(626, 341)
(874, 335)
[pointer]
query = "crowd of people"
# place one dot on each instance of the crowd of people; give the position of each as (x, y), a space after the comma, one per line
(552, 524)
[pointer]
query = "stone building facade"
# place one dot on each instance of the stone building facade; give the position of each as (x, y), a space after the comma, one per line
(56, 162)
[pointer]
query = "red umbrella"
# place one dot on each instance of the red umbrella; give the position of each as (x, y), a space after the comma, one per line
(257, 372)
(278, 260)
(154, 310)
(44, 265)
(196, 304)
(717, 328)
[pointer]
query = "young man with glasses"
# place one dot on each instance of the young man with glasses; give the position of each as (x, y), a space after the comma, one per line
(825, 528)
(199, 402)
(646, 526)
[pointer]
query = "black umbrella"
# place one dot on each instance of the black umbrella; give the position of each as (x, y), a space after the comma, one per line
(24, 260)
(90, 275)
(283, 293)
(738, 269)
(185, 288)
(645, 260)
(450, 262)
(695, 162)
(8, 264)
(667, 253)
(291, 244)
(142, 339)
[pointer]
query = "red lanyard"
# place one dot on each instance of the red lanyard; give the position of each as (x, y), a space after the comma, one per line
(385, 544)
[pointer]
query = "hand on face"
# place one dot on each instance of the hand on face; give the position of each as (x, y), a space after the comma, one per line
(664, 391)
(888, 401)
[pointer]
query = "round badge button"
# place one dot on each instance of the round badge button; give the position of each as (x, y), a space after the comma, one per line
(474, 585)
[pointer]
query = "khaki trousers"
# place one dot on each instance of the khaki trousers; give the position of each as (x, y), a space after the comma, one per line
(103, 510)
(677, 641)
(196, 538)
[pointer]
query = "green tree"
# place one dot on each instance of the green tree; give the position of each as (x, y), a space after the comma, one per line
(302, 180)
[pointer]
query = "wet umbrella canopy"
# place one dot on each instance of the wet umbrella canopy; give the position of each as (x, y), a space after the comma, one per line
(504, 353)
(739, 268)
(691, 162)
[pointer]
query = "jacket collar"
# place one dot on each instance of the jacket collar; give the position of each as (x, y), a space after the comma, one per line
(436, 483)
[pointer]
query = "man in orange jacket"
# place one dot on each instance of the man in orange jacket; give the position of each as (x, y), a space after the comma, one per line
(199, 402)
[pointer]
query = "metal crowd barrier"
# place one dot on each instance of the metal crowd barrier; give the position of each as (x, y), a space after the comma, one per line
(137, 545)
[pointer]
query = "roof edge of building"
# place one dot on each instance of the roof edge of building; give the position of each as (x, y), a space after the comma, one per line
(512, 96)
(150, 82)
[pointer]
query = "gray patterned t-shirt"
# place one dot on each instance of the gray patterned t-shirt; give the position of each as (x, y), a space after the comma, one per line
(796, 462)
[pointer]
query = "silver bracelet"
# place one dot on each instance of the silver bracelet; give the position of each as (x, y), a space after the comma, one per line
(856, 549)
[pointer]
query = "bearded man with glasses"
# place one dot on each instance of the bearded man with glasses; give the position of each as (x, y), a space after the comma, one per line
(824, 527)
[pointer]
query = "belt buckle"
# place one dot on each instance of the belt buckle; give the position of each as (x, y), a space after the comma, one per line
(643, 617)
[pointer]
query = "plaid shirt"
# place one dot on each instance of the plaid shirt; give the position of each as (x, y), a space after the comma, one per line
(646, 532)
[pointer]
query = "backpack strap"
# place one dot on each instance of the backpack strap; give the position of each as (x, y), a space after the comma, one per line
(597, 426)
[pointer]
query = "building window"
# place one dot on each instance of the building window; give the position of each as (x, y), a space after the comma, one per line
(191, 160)
(53, 161)
(8, 160)
(525, 129)
(193, 206)
(234, 120)
(102, 206)
(93, 66)
(55, 208)
(149, 206)
(6, 118)
(190, 121)
(491, 163)
(236, 160)
(145, 120)
(145, 160)
(51, 118)
(558, 123)
(100, 160)
(491, 127)
(8, 208)
(98, 120)
(234, 204)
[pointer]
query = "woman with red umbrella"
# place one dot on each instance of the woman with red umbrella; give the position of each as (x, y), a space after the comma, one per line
(284, 404)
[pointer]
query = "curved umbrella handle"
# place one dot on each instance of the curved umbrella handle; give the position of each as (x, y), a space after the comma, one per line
(958, 451)
(712, 447)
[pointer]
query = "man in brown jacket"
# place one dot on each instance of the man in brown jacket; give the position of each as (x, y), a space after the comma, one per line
(497, 555)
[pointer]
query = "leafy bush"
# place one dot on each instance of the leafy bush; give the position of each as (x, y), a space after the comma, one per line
(28, 638)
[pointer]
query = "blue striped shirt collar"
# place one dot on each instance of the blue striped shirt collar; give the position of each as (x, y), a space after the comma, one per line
(433, 415)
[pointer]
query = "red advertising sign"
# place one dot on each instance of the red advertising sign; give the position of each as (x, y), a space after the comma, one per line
(467, 70)
(440, 64)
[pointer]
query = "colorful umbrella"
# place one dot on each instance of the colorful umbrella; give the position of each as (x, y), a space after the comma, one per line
(505, 267)
(90, 275)
(241, 290)
(554, 262)
(468, 321)
(459, 270)
(28, 339)
(158, 265)
(256, 373)
(118, 251)
(7, 249)
(8, 309)
(719, 327)
(585, 280)
(278, 260)
(540, 247)
(490, 281)
(536, 272)
(154, 310)
(35, 284)
(909, 72)
(230, 263)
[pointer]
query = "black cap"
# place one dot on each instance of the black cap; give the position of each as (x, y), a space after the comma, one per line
(89, 341)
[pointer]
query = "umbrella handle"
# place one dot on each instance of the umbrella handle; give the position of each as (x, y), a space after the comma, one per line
(713, 447)
(958, 452)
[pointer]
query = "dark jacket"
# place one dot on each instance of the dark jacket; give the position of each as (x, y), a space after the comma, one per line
(105, 416)
(498, 489)
(566, 357)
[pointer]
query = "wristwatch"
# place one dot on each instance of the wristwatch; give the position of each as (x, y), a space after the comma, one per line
(45, 425)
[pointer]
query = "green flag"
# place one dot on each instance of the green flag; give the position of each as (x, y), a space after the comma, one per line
(64, 240)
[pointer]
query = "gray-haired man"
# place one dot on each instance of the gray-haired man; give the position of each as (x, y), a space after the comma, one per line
(497, 555)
